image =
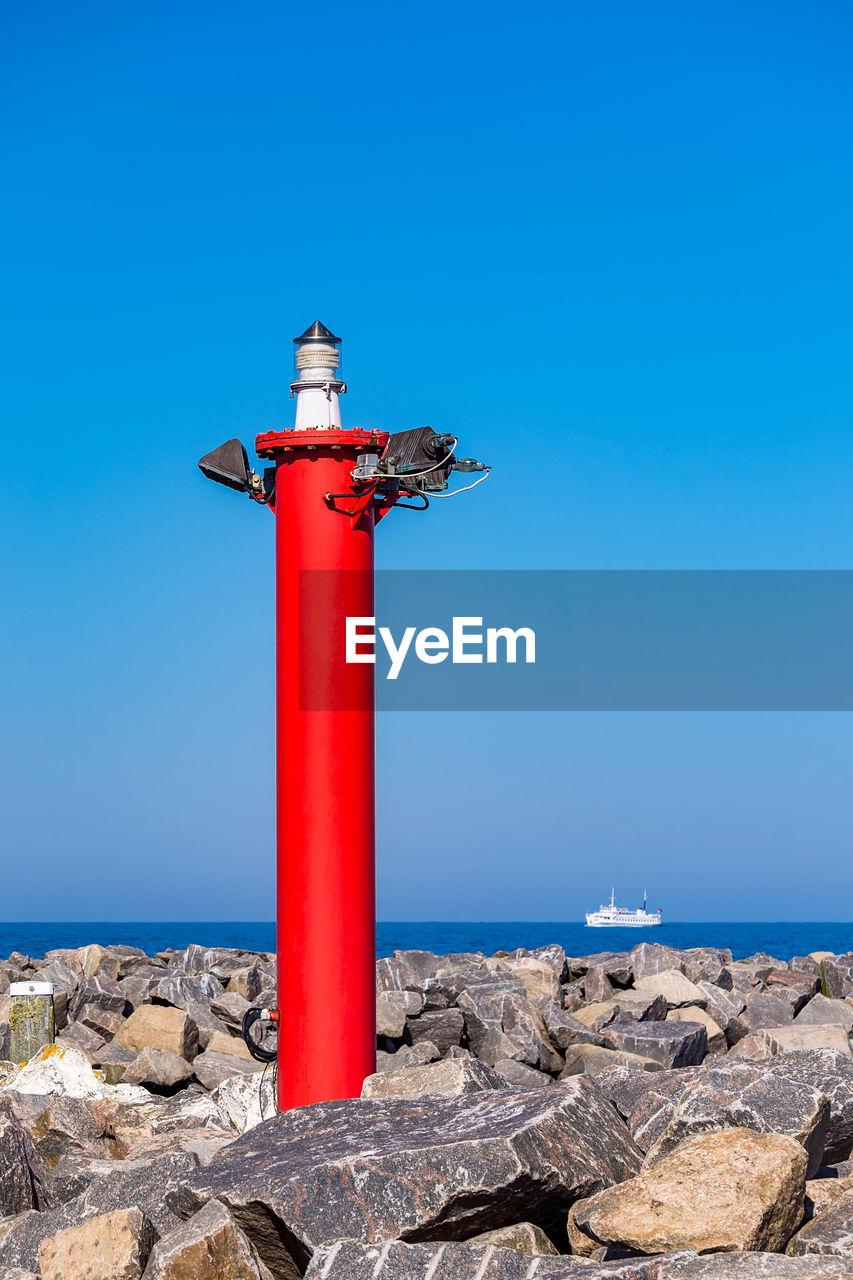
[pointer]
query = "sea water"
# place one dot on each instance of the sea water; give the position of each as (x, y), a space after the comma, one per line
(782, 940)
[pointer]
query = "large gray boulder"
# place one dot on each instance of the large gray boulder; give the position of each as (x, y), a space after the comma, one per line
(736, 1095)
(830, 1071)
(193, 995)
(768, 1009)
(101, 992)
(146, 1186)
(565, 1030)
(830, 1233)
(112, 1246)
(449, 1260)
(442, 1027)
(678, 991)
(725, 1191)
(500, 1022)
(707, 964)
(838, 975)
(376, 1170)
(755, 1266)
(210, 1246)
(725, 1007)
(405, 971)
(67, 1125)
(822, 1011)
(672, 1044)
(653, 1108)
(23, 1176)
(615, 965)
(651, 957)
(452, 1078)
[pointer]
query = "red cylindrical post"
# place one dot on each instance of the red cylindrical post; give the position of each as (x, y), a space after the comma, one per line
(325, 770)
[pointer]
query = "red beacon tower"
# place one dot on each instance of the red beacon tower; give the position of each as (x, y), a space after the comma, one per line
(328, 487)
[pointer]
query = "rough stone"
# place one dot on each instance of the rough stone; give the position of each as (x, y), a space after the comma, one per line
(501, 1023)
(95, 960)
(247, 982)
(244, 1101)
(565, 1030)
(716, 1040)
(76, 1171)
(56, 1070)
(541, 979)
(410, 1055)
(768, 1009)
(451, 1078)
(596, 985)
(204, 1144)
(517, 1075)
(230, 1008)
(624, 1086)
(831, 1233)
(734, 1095)
(523, 1237)
(653, 1107)
(211, 1068)
(193, 995)
(387, 1169)
(159, 1071)
(799, 981)
(673, 1044)
(753, 1047)
(821, 1010)
(76, 1036)
(69, 1125)
(112, 1061)
(100, 992)
(450, 1260)
(677, 990)
(596, 1016)
(154, 1026)
(806, 1037)
(210, 1246)
(831, 1072)
(405, 970)
(591, 1060)
(652, 957)
(23, 1176)
(616, 965)
(104, 1022)
(725, 1007)
(626, 1006)
(754, 1266)
(390, 1018)
(148, 1187)
(731, 1190)
(707, 964)
(442, 1027)
(234, 1046)
(824, 1193)
(837, 973)
(114, 1246)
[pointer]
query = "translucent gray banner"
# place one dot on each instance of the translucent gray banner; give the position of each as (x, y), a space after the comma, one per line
(596, 640)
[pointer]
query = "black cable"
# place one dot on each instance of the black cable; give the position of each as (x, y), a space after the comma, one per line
(257, 1050)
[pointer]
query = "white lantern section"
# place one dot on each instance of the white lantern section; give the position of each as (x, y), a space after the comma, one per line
(317, 380)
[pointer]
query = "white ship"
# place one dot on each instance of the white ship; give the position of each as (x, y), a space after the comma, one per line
(622, 917)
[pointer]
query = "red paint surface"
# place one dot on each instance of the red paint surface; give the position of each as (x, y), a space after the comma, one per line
(324, 778)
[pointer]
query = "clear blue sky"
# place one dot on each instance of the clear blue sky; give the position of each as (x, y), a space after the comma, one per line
(610, 244)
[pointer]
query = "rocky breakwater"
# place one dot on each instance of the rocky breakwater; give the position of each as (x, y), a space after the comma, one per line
(649, 1115)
